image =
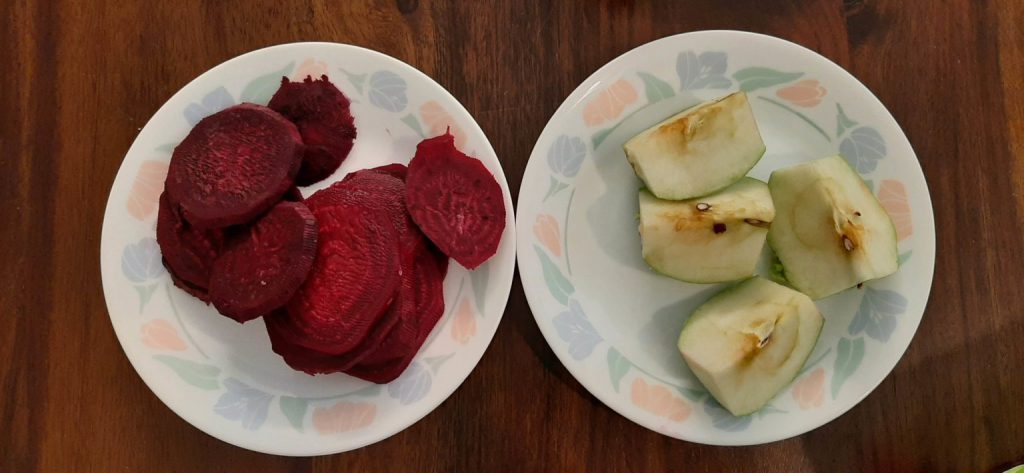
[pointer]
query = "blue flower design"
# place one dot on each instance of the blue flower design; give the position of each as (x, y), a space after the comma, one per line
(412, 385)
(387, 91)
(863, 149)
(218, 99)
(565, 156)
(573, 327)
(244, 403)
(724, 420)
(706, 71)
(140, 262)
(877, 314)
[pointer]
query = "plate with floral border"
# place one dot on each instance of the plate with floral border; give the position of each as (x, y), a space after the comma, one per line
(613, 322)
(222, 377)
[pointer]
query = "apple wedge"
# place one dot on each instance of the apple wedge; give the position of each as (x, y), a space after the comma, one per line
(709, 239)
(830, 232)
(748, 342)
(698, 151)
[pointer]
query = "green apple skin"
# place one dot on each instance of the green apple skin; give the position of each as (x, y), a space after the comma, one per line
(830, 232)
(709, 239)
(748, 342)
(699, 150)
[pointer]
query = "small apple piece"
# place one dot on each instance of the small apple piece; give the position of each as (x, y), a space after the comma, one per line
(709, 239)
(830, 232)
(749, 342)
(698, 151)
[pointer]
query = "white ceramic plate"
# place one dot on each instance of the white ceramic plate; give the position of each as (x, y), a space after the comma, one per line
(613, 322)
(222, 377)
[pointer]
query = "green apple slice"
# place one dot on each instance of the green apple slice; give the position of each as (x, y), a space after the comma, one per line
(698, 151)
(749, 342)
(709, 239)
(830, 232)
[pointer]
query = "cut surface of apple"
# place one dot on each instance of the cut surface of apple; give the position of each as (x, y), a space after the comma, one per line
(830, 232)
(699, 150)
(749, 342)
(709, 239)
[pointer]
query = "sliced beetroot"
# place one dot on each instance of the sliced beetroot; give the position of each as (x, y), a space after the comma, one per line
(394, 169)
(293, 194)
(393, 355)
(234, 165)
(261, 268)
(193, 290)
(188, 252)
(322, 114)
(354, 277)
(455, 201)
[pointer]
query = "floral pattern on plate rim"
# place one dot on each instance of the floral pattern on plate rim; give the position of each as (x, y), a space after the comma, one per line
(862, 146)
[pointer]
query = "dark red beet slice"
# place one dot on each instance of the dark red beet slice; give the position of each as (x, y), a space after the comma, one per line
(234, 165)
(261, 268)
(354, 277)
(188, 252)
(321, 112)
(293, 194)
(191, 289)
(394, 169)
(455, 201)
(396, 351)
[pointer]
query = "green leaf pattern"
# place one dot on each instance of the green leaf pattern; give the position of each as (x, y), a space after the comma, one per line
(849, 355)
(199, 375)
(559, 286)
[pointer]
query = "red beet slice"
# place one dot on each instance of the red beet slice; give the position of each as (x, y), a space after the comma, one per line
(398, 349)
(191, 289)
(394, 169)
(321, 112)
(354, 277)
(293, 194)
(234, 165)
(188, 252)
(262, 268)
(455, 201)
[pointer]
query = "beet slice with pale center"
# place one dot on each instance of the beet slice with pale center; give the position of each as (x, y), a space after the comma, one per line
(455, 201)
(234, 165)
(188, 252)
(261, 268)
(354, 277)
(322, 114)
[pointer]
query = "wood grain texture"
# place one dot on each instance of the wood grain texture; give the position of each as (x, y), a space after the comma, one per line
(82, 77)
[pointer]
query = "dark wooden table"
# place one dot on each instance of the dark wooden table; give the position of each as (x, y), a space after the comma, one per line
(81, 77)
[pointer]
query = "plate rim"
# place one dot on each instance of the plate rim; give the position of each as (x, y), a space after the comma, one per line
(576, 97)
(504, 292)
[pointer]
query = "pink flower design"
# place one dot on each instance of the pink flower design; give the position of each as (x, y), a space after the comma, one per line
(806, 93)
(893, 197)
(464, 325)
(438, 120)
(810, 391)
(546, 231)
(659, 401)
(609, 103)
(343, 417)
(145, 192)
(162, 335)
(310, 67)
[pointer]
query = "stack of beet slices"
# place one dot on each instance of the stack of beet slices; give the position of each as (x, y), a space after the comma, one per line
(350, 279)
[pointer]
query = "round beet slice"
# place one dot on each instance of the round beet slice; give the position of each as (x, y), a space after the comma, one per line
(354, 277)
(234, 165)
(397, 350)
(293, 194)
(261, 268)
(394, 169)
(455, 200)
(322, 114)
(188, 252)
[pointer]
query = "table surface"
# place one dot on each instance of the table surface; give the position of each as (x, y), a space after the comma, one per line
(81, 78)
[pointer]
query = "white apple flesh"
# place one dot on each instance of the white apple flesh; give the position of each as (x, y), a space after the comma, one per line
(748, 342)
(709, 239)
